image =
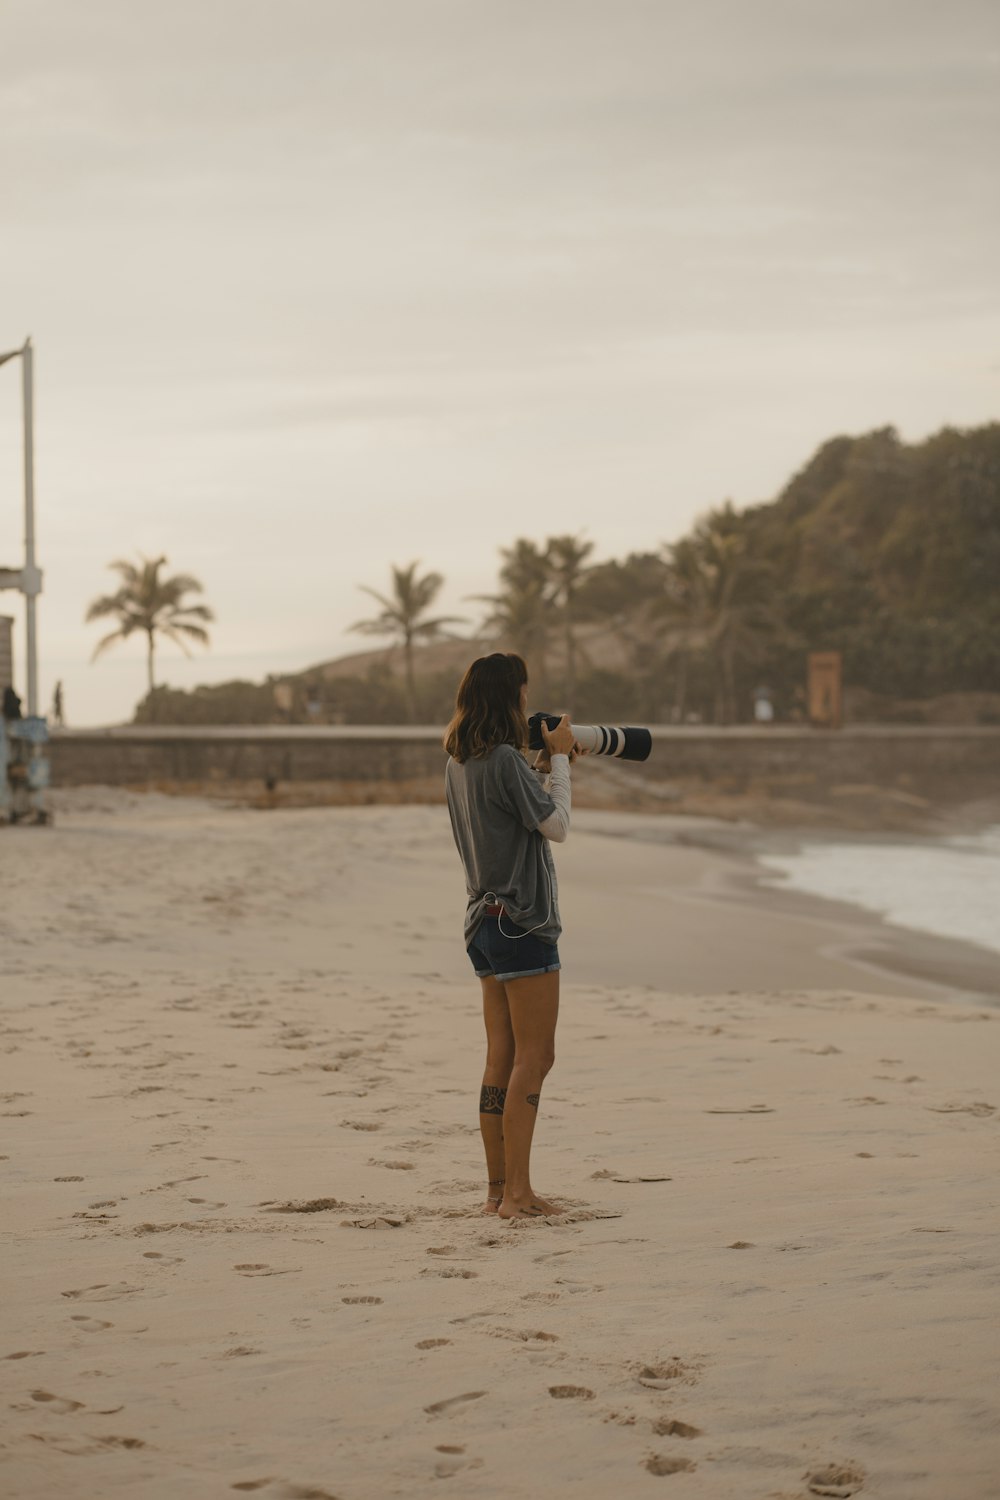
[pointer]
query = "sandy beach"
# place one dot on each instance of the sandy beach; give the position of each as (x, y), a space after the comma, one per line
(242, 1243)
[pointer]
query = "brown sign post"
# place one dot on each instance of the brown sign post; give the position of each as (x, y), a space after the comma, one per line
(825, 671)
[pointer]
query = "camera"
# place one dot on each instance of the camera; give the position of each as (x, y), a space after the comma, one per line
(598, 739)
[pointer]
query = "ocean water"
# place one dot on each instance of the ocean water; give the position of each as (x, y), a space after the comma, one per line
(949, 887)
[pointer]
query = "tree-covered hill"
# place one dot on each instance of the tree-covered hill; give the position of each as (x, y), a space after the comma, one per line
(891, 553)
(885, 551)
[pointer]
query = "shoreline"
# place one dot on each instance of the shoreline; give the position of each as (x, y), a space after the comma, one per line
(951, 968)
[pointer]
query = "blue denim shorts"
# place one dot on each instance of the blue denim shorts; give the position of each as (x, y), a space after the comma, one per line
(494, 954)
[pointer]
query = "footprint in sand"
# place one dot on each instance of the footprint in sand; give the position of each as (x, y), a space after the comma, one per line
(608, 1176)
(168, 1260)
(255, 1268)
(741, 1109)
(836, 1480)
(103, 1292)
(303, 1492)
(90, 1325)
(660, 1377)
(445, 1468)
(438, 1408)
(662, 1463)
(69, 1179)
(83, 1447)
(302, 1206)
(379, 1221)
(979, 1108)
(282, 1490)
(61, 1404)
(451, 1272)
(365, 1301)
(423, 1344)
(571, 1392)
(670, 1427)
(360, 1125)
(24, 1354)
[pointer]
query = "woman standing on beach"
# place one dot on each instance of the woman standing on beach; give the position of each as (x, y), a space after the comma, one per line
(503, 819)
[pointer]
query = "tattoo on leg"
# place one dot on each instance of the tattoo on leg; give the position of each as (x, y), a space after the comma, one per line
(533, 1100)
(491, 1100)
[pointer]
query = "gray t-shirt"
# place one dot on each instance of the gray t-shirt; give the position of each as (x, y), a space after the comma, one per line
(496, 804)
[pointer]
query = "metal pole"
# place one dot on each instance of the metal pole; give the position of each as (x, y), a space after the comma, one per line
(32, 581)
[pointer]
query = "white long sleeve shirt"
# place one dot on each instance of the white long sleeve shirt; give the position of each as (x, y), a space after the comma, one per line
(557, 784)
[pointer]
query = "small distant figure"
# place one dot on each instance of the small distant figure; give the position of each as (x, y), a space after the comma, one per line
(57, 706)
(763, 707)
(11, 704)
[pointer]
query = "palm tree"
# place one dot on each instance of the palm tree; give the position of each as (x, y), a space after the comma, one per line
(721, 601)
(522, 611)
(686, 607)
(150, 605)
(401, 617)
(566, 556)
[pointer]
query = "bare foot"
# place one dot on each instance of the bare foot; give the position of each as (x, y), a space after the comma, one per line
(490, 1206)
(531, 1207)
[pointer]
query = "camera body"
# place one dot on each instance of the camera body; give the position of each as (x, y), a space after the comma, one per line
(624, 743)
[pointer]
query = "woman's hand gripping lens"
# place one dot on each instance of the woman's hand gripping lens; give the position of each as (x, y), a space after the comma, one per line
(558, 741)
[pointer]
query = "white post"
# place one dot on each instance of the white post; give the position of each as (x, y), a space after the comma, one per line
(32, 578)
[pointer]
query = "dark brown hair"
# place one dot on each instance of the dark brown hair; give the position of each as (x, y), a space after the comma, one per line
(488, 708)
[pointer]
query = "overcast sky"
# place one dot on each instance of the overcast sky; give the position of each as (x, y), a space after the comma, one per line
(320, 285)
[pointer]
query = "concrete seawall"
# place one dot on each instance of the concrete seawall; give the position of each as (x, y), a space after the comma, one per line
(907, 768)
(182, 756)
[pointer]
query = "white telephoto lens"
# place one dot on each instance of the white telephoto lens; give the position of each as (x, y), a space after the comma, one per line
(587, 736)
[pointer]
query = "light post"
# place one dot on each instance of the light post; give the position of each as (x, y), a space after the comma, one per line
(27, 579)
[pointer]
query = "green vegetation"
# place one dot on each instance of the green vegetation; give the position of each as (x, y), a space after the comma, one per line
(885, 551)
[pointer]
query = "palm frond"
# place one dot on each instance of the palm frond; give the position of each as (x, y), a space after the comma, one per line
(194, 611)
(121, 634)
(174, 635)
(386, 604)
(127, 571)
(108, 604)
(381, 626)
(196, 632)
(432, 627)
